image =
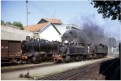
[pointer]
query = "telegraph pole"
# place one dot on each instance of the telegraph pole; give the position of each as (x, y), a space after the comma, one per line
(27, 12)
(27, 75)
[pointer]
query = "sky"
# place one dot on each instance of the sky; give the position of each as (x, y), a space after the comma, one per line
(70, 12)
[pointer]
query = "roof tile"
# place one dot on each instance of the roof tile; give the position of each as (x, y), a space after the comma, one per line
(35, 27)
(55, 21)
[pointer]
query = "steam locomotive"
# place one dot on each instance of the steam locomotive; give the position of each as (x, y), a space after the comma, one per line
(36, 51)
(77, 52)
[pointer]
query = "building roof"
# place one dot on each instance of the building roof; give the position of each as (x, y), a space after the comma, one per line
(10, 33)
(52, 20)
(36, 27)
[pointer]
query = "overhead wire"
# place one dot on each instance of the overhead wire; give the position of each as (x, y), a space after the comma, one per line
(32, 4)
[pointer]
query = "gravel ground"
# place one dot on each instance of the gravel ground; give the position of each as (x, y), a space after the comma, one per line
(24, 66)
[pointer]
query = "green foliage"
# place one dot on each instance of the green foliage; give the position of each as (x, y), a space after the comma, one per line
(15, 24)
(2, 22)
(8, 23)
(108, 9)
(18, 24)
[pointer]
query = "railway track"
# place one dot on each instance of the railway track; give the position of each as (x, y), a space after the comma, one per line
(83, 73)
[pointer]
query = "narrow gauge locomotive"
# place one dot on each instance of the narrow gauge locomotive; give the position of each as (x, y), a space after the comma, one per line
(77, 52)
(36, 50)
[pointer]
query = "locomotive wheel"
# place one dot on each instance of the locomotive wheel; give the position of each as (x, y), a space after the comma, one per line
(81, 58)
(67, 59)
(72, 59)
(88, 57)
(40, 60)
(94, 56)
(77, 58)
(64, 60)
(84, 57)
(28, 61)
(34, 60)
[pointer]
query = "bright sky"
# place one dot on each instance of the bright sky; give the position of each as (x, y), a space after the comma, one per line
(68, 11)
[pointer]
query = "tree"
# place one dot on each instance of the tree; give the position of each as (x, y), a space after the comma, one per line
(108, 9)
(2, 22)
(18, 24)
(8, 23)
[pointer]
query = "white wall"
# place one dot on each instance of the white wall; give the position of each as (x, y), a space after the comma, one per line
(62, 28)
(10, 33)
(114, 50)
(49, 33)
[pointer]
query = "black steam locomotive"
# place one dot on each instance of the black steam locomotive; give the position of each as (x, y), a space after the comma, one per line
(76, 52)
(36, 51)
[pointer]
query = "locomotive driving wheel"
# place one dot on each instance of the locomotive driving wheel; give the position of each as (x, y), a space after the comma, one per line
(72, 59)
(77, 58)
(34, 60)
(67, 59)
(81, 58)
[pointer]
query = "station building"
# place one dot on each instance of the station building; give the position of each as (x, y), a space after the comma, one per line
(49, 29)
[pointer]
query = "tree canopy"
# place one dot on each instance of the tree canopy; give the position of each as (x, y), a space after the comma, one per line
(9, 23)
(2, 22)
(108, 8)
(18, 24)
(15, 24)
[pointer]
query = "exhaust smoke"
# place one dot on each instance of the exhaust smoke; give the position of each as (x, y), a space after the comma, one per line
(90, 33)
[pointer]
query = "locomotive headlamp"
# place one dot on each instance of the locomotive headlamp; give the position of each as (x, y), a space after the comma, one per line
(66, 41)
